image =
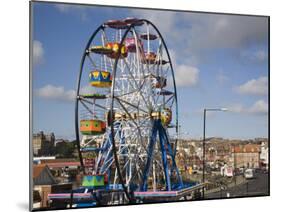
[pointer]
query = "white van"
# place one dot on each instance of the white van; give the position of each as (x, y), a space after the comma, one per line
(249, 174)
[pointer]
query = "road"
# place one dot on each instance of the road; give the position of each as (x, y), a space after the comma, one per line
(253, 187)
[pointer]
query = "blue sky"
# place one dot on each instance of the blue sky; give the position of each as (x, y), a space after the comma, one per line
(219, 61)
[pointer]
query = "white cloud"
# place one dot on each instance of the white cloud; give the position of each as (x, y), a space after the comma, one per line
(38, 53)
(185, 75)
(236, 108)
(254, 87)
(55, 93)
(52, 92)
(260, 107)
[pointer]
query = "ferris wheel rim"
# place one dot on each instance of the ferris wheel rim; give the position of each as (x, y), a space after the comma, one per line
(78, 92)
(101, 27)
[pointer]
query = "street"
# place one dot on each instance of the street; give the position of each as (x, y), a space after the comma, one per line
(252, 187)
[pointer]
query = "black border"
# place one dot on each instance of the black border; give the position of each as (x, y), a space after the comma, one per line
(144, 8)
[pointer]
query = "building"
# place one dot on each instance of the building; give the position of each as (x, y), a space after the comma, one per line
(43, 145)
(217, 153)
(42, 182)
(42, 175)
(223, 152)
(264, 154)
(61, 163)
(64, 170)
(247, 156)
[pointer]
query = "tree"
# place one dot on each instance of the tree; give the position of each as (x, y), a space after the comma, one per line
(65, 149)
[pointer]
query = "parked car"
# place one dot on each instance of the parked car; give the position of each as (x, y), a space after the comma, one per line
(249, 174)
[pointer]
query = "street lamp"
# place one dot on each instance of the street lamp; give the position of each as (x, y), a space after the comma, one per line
(204, 138)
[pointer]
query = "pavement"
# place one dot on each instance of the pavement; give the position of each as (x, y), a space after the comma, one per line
(259, 186)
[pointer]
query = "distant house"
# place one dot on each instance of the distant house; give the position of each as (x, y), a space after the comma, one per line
(64, 163)
(247, 156)
(42, 183)
(264, 154)
(42, 175)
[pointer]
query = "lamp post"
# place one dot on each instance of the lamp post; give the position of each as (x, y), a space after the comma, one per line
(204, 138)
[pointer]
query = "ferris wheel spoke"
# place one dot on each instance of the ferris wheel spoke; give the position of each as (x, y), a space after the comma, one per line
(132, 105)
(130, 73)
(126, 94)
(135, 136)
(139, 91)
(93, 103)
(91, 60)
(88, 109)
(165, 72)
(172, 99)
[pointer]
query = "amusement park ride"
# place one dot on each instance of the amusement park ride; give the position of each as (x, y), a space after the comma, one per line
(126, 111)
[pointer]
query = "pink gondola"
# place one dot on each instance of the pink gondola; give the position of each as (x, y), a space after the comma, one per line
(130, 44)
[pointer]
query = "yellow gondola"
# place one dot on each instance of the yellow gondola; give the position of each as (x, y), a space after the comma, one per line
(100, 79)
(115, 46)
(166, 116)
(101, 50)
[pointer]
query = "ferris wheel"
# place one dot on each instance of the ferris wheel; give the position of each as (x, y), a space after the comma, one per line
(126, 109)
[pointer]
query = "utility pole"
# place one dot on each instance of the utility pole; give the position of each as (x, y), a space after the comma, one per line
(234, 154)
(204, 141)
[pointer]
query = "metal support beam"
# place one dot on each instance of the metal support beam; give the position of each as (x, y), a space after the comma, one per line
(164, 157)
(172, 156)
(151, 145)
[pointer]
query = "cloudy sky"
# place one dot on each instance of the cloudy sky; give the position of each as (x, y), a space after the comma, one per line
(219, 61)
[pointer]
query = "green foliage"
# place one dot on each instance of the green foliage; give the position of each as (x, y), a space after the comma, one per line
(65, 149)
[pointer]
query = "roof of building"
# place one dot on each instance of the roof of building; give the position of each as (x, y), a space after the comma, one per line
(60, 160)
(63, 164)
(57, 163)
(37, 169)
(248, 148)
(42, 175)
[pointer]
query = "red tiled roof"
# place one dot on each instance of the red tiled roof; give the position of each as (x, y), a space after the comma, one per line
(248, 148)
(62, 164)
(57, 160)
(37, 169)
